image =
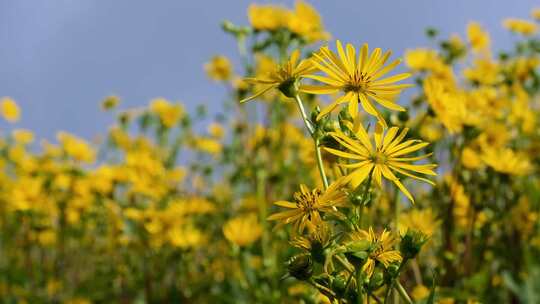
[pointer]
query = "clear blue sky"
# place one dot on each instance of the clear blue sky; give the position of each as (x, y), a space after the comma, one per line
(59, 58)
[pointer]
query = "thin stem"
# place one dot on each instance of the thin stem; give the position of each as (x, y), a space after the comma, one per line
(304, 115)
(376, 299)
(344, 263)
(320, 164)
(396, 210)
(388, 291)
(394, 280)
(359, 288)
(403, 293)
(416, 271)
(311, 131)
(360, 209)
(322, 288)
(261, 197)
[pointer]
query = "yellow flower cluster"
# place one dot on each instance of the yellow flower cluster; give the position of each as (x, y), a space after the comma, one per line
(304, 20)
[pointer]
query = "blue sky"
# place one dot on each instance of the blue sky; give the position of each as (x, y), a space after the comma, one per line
(59, 58)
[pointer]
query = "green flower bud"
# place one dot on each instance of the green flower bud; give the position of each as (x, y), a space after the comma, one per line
(289, 87)
(360, 245)
(431, 32)
(315, 113)
(317, 251)
(376, 280)
(300, 267)
(393, 270)
(338, 285)
(412, 242)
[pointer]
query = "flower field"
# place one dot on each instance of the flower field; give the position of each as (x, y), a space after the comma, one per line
(335, 172)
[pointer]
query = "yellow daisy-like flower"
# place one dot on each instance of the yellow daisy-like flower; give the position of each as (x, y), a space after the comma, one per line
(520, 26)
(478, 37)
(9, 109)
(359, 79)
(168, 113)
(386, 156)
(306, 22)
(383, 251)
(267, 17)
(424, 220)
(219, 68)
(449, 106)
(242, 230)
(283, 77)
(507, 161)
(308, 206)
(535, 13)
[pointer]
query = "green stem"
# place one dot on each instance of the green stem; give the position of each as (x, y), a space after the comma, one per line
(360, 209)
(376, 299)
(300, 105)
(261, 198)
(396, 210)
(359, 288)
(344, 263)
(311, 131)
(403, 293)
(394, 280)
(320, 164)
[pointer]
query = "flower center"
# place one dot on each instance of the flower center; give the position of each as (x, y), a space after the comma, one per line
(308, 201)
(358, 83)
(378, 158)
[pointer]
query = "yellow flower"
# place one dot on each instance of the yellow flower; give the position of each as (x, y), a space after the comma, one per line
(23, 136)
(110, 103)
(386, 156)
(47, 237)
(207, 145)
(448, 106)
(283, 77)
(168, 113)
(521, 112)
(424, 220)
(428, 60)
(185, 236)
(319, 237)
(484, 71)
(219, 68)
(431, 130)
(478, 38)
(216, 130)
(77, 148)
(495, 135)
(420, 59)
(507, 161)
(457, 44)
(420, 292)
(470, 158)
(524, 217)
(9, 109)
(242, 230)
(358, 79)
(535, 13)
(306, 22)
(308, 206)
(382, 251)
(462, 205)
(267, 17)
(520, 26)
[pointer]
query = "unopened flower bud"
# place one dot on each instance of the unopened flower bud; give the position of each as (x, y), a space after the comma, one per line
(300, 267)
(412, 242)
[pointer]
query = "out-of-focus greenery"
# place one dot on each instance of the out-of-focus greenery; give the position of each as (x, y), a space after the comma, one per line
(158, 211)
